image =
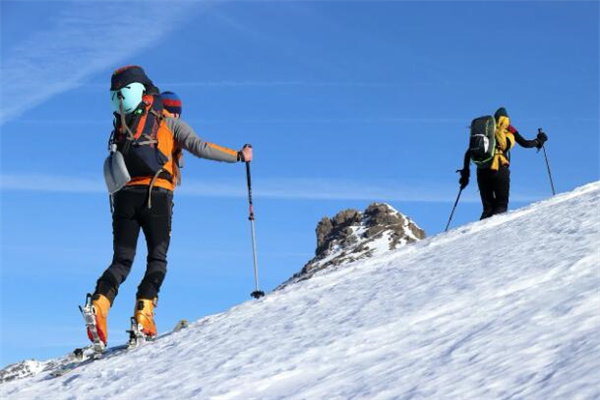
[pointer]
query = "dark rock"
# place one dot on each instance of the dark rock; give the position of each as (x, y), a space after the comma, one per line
(324, 228)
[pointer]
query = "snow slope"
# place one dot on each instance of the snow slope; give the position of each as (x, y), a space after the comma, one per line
(507, 308)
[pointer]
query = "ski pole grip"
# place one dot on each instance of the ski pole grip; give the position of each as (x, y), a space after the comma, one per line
(247, 146)
(540, 130)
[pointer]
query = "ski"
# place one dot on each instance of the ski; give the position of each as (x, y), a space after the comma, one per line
(83, 356)
(87, 355)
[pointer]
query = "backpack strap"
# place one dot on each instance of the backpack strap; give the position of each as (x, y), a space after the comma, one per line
(152, 117)
(149, 140)
(129, 134)
(151, 125)
(156, 110)
(153, 181)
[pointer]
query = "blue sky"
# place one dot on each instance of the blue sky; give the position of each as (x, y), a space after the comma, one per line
(345, 103)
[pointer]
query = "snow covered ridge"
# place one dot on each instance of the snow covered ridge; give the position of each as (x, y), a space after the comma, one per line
(506, 308)
(352, 235)
(24, 369)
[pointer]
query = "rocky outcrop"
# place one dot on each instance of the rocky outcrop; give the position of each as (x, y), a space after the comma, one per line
(352, 235)
(23, 369)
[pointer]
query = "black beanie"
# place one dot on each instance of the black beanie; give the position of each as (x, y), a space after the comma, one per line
(129, 74)
(501, 112)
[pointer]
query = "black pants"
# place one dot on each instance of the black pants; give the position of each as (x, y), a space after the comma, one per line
(131, 213)
(494, 188)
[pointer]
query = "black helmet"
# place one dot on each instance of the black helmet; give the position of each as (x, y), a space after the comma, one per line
(129, 74)
(501, 112)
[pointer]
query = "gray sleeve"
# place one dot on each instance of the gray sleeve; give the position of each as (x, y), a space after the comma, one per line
(189, 140)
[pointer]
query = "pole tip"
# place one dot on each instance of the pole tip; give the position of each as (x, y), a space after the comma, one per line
(257, 294)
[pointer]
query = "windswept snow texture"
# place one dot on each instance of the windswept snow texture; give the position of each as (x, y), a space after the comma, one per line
(507, 308)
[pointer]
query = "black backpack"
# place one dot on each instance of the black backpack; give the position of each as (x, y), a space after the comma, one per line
(139, 142)
(482, 144)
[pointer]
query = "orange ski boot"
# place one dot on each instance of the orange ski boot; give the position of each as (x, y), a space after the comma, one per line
(95, 313)
(144, 316)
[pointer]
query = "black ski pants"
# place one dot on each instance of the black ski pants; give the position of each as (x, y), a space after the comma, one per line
(130, 214)
(494, 188)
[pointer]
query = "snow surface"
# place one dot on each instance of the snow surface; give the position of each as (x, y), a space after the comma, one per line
(507, 308)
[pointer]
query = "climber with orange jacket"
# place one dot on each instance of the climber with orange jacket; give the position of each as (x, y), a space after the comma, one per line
(142, 174)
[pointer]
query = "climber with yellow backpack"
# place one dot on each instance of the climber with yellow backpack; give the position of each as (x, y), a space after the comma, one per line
(141, 174)
(492, 138)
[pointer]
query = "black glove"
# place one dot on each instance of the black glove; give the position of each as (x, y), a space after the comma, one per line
(464, 178)
(541, 139)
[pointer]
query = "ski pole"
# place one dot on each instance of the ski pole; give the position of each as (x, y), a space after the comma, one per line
(548, 165)
(257, 293)
(453, 209)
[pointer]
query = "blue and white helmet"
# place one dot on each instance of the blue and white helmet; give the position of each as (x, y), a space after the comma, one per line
(128, 97)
